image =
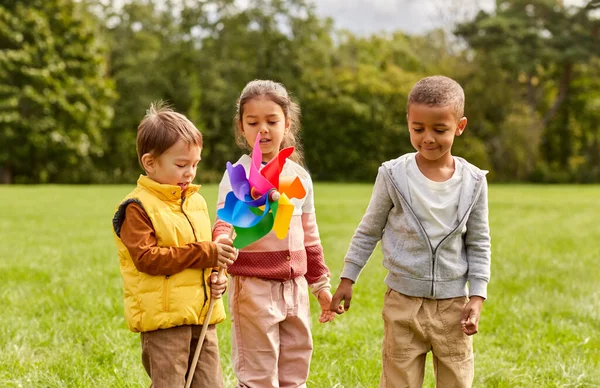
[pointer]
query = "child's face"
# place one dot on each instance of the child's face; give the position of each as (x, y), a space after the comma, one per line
(176, 166)
(263, 117)
(432, 130)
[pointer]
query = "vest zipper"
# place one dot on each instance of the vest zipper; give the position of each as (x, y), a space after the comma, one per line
(166, 305)
(203, 271)
(188, 219)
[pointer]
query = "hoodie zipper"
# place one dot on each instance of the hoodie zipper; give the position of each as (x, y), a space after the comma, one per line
(433, 251)
(475, 198)
(423, 231)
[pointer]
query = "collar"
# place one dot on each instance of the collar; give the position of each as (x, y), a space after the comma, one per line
(166, 192)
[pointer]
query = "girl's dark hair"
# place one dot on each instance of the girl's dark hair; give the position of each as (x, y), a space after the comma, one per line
(277, 93)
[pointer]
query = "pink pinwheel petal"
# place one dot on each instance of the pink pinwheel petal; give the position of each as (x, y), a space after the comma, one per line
(257, 181)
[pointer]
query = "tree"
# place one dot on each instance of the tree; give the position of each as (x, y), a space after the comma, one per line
(540, 42)
(152, 57)
(541, 47)
(54, 96)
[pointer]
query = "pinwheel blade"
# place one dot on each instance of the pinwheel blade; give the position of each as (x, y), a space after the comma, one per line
(239, 214)
(292, 187)
(256, 180)
(272, 170)
(239, 182)
(247, 236)
(241, 187)
(285, 210)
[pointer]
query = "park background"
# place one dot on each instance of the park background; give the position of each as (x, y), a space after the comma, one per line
(77, 76)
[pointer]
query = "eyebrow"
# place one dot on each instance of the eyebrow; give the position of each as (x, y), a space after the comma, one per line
(269, 115)
(435, 124)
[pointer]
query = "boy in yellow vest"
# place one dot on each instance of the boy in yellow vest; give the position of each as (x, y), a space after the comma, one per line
(163, 235)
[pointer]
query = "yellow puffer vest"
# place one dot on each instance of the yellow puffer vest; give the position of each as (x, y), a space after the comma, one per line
(161, 302)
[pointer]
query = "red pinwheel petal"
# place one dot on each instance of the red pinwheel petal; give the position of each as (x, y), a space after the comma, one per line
(272, 170)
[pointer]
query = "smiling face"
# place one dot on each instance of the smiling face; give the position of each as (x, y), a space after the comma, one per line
(176, 166)
(263, 117)
(432, 131)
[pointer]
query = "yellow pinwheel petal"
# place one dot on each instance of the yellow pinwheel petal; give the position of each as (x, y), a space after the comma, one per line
(283, 217)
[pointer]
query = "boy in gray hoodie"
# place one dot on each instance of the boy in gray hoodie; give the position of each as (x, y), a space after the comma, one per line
(430, 211)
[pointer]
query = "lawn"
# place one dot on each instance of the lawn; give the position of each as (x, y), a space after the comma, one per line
(61, 298)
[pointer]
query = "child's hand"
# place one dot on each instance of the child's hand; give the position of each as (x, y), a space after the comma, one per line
(224, 239)
(226, 255)
(470, 315)
(325, 302)
(218, 285)
(343, 293)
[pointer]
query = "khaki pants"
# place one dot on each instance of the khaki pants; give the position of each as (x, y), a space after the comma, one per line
(271, 341)
(414, 326)
(167, 355)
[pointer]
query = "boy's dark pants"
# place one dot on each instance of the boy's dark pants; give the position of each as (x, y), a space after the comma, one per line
(168, 353)
(414, 326)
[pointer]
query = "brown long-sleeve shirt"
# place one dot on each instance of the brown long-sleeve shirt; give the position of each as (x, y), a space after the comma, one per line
(138, 235)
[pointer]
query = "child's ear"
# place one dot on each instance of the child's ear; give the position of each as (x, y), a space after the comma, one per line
(148, 162)
(462, 124)
(288, 124)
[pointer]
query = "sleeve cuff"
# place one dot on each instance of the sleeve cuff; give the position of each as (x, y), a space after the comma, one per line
(322, 284)
(478, 287)
(214, 253)
(351, 271)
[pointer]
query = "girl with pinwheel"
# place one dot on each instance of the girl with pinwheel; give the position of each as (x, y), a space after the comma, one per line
(267, 197)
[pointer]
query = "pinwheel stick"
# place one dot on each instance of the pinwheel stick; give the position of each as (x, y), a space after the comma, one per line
(188, 383)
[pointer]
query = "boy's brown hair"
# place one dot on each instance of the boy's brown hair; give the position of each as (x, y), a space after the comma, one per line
(162, 127)
(438, 90)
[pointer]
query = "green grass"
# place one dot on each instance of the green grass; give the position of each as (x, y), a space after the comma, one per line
(61, 298)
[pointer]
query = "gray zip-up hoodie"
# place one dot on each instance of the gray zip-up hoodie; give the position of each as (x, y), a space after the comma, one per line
(416, 268)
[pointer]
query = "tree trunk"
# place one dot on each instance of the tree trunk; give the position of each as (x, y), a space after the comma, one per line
(563, 89)
(5, 175)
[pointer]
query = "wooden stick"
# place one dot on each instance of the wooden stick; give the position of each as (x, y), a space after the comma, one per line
(188, 383)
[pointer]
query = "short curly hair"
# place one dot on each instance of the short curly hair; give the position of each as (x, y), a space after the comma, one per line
(438, 90)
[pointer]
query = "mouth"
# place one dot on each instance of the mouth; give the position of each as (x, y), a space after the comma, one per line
(183, 185)
(265, 141)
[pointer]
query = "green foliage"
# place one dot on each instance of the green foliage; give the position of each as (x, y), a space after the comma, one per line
(54, 97)
(540, 53)
(530, 71)
(351, 121)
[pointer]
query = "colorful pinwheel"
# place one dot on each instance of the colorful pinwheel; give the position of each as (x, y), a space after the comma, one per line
(259, 201)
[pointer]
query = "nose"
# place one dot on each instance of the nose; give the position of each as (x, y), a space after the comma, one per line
(264, 128)
(428, 137)
(189, 172)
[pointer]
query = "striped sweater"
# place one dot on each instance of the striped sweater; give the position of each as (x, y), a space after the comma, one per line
(299, 254)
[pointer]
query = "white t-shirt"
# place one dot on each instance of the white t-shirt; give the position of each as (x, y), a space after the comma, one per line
(434, 203)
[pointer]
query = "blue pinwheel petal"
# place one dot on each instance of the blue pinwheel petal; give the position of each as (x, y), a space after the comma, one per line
(239, 214)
